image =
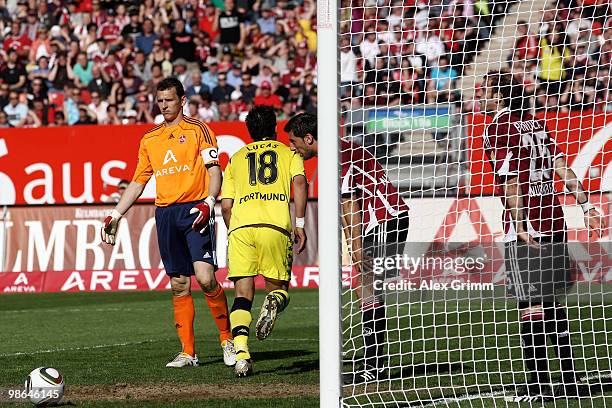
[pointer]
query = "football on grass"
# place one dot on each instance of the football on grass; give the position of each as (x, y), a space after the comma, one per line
(44, 386)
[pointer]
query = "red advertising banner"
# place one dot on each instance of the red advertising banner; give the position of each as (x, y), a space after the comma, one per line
(66, 238)
(586, 139)
(598, 269)
(126, 280)
(83, 164)
(58, 248)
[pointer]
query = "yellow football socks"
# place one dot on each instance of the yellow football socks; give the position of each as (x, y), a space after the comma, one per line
(282, 296)
(240, 319)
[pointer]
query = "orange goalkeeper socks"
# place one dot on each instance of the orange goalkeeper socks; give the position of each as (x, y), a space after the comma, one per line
(217, 303)
(183, 321)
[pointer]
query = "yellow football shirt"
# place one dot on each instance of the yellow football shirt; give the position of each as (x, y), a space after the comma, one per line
(258, 178)
(177, 156)
(551, 61)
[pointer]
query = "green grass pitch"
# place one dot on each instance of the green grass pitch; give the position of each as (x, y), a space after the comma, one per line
(112, 348)
(445, 352)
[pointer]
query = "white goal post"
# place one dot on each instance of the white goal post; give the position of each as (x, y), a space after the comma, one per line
(330, 334)
(450, 111)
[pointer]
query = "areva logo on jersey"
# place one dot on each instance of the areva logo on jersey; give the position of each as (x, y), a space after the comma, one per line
(172, 169)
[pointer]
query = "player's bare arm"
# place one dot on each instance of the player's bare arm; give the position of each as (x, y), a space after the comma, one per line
(514, 203)
(215, 180)
(206, 209)
(300, 199)
(111, 223)
(132, 193)
(351, 223)
(226, 210)
(593, 219)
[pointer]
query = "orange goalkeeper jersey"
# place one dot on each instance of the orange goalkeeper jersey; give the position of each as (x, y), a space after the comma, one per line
(177, 156)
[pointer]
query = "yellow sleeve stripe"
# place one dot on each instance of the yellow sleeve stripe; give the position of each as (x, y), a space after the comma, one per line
(196, 122)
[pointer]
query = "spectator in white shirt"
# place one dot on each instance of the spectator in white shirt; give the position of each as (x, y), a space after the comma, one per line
(17, 112)
(430, 45)
(100, 107)
(396, 16)
(577, 25)
(369, 47)
(348, 62)
(385, 34)
(417, 61)
(207, 111)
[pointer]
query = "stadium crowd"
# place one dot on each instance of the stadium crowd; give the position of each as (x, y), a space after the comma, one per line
(95, 61)
(566, 64)
(407, 55)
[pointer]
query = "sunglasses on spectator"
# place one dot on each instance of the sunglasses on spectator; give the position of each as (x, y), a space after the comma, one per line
(246, 78)
(222, 78)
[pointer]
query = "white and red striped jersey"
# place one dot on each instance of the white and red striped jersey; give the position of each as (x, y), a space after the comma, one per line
(110, 31)
(520, 147)
(364, 178)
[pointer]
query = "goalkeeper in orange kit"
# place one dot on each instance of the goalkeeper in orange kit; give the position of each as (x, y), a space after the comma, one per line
(182, 154)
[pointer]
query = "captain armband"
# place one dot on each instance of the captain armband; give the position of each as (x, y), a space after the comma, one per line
(210, 155)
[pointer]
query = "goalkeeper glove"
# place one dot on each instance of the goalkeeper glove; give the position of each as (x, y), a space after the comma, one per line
(205, 211)
(109, 229)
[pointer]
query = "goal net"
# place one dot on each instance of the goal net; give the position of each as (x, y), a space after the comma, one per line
(456, 120)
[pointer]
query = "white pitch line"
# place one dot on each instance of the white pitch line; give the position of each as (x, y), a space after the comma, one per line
(116, 309)
(464, 398)
(73, 310)
(596, 377)
(99, 346)
(499, 393)
(273, 339)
